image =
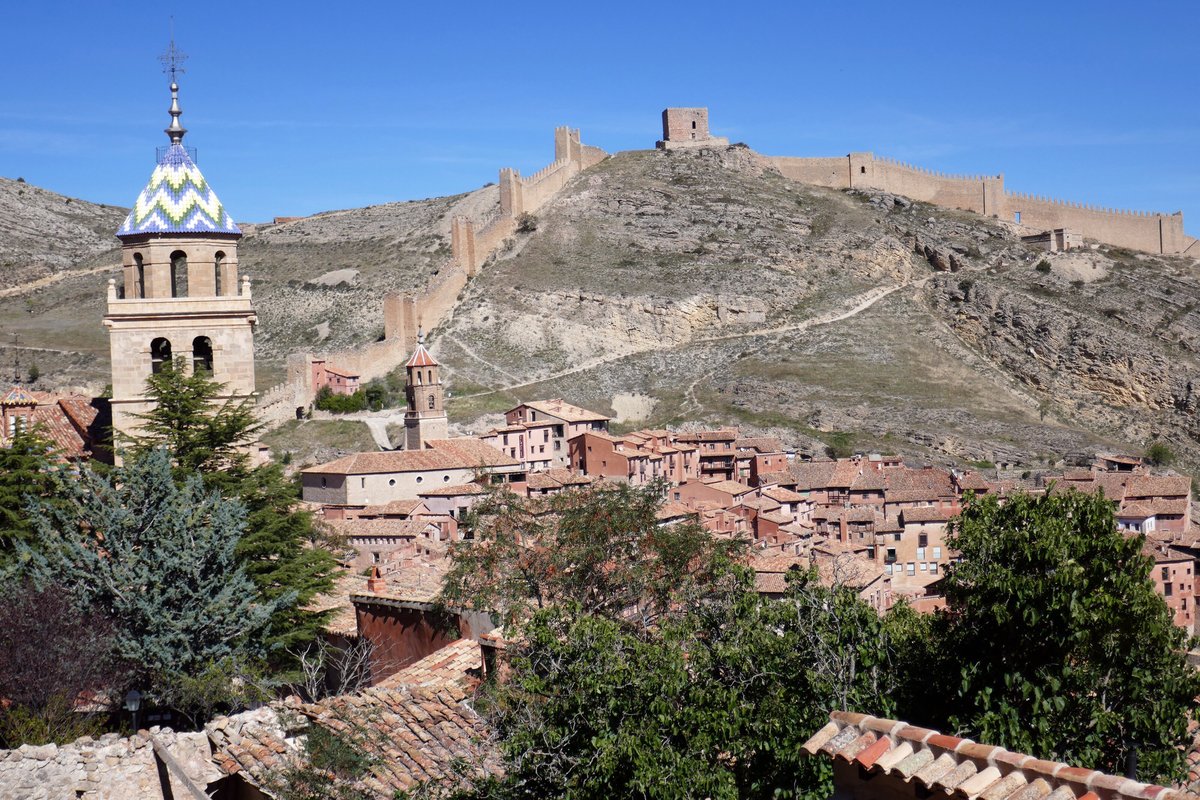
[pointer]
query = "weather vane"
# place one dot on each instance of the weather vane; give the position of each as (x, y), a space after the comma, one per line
(172, 59)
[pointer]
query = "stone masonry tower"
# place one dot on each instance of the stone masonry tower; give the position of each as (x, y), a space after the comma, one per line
(180, 297)
(425, 418)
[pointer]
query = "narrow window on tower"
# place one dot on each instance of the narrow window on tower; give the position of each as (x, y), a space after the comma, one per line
(179, 274)
(202, 354)
(139, 289)
(218, 262)
(431, 402)
(160, 354)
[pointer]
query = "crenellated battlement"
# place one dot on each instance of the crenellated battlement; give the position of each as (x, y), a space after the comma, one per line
(472, 242)
(1152, 231)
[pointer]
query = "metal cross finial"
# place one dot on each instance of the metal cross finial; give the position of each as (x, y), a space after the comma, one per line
(172, 58)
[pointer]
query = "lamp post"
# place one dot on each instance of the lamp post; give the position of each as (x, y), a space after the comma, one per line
(133, 701)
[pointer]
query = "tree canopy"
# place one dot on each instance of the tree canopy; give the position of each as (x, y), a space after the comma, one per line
(280, 549)
(159, 559)
(1056, 643)
(601, 547)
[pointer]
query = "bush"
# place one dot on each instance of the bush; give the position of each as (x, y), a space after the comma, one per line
(341, 403)
(1159, 454)
(34, 373)
(526, 223)
(839, 444)
(1043, 266)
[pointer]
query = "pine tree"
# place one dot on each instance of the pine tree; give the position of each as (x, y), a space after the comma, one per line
(27, 470)
(280, 550)
(157, 557)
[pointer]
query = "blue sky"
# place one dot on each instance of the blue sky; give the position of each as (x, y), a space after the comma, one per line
(300, 107)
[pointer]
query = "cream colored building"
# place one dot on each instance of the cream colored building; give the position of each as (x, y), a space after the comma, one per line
(378, 478)
(180, 298)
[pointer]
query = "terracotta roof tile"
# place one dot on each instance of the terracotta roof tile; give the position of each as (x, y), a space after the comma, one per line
(463, 453)
(965, 769)
(565, 411)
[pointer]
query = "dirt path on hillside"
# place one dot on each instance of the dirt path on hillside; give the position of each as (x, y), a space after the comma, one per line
(864, 301)
(54, 278)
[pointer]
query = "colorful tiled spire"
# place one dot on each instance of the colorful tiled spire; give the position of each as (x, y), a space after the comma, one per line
(177, 199)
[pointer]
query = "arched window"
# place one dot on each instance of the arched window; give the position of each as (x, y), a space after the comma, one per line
(202, 354)
(429, 376)
(139, 288)
(418, 374)
(179, 274)
(160, 354)
(431, 401)
(218, 262)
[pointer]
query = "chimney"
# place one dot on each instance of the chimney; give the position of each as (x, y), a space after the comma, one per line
(376, 584)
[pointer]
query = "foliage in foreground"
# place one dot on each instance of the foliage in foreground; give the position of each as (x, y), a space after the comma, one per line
(600, 547)
(159, 559)
(279, 549)
(1057, 643)
(57, 657)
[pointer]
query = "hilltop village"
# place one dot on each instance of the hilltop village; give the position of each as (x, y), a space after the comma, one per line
(868, 523)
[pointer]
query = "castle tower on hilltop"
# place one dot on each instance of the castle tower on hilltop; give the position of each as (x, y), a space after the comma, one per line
(425, 418)
(687, 128)
(180, 298)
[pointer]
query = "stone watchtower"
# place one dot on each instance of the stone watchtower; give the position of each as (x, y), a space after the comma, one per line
(687, 127)
(180, 296)
(425, 418)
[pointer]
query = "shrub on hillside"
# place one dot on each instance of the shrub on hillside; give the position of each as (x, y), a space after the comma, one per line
(341, 403)
(526, 223)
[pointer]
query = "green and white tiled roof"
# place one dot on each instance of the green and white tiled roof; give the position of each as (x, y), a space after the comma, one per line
(177, 200)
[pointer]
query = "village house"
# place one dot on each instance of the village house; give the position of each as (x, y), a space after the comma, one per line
(537, 432)
(1174, 577)
(716, 451)
(381, 541)
(378, 478)
(72, 423)
(601, 455)
(336, 379)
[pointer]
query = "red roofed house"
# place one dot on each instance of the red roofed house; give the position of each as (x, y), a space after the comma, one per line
(336, 379)
(70, 422)
(601, 455)
(537, 431)
(716, 451)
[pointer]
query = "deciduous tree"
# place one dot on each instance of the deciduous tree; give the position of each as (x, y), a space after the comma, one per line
(1056, 643)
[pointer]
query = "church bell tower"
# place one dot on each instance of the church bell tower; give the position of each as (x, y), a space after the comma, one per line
(425, 418)
(180, 299)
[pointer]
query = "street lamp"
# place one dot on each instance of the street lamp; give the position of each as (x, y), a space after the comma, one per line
(133, 701)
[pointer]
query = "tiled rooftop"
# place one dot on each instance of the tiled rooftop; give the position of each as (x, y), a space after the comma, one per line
(557, 407)
(964, 769)
(411, 735)
(463, 453)
(457, 664)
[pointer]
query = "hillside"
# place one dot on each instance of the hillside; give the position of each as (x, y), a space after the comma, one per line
(673, 286)
(317, 281)
(715, 289)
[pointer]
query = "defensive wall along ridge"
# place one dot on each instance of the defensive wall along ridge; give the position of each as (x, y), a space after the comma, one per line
(1152, 232)
(472, 242)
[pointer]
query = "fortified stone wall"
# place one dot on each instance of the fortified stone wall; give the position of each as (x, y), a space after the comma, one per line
(471, 244)
(985, 194)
